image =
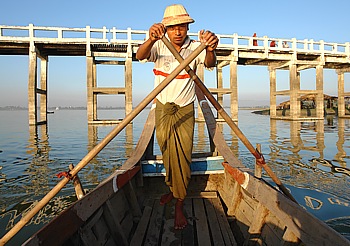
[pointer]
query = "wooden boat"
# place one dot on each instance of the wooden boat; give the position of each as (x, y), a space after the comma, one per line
(226, 205)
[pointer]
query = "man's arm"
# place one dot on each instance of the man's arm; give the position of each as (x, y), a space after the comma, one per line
(144, 50)
(210, 58)
(156, 32)
(211, 40)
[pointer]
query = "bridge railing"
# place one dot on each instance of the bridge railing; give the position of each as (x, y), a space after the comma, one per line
(53, 34)
(90, 35)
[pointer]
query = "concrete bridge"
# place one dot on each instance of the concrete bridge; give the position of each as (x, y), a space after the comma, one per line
(101, 46)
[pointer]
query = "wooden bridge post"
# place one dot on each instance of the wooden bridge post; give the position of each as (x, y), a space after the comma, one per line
(219, 85)
(272, 92)
(91, 103)
(128, 85)
(341, 97)
(32, 84)
(319, 96)
(233, 87)
(294, 83)
(43, 88)
(128, 75)
(94, 85)
(200, 74)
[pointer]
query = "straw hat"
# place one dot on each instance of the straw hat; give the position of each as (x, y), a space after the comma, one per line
(176, 14)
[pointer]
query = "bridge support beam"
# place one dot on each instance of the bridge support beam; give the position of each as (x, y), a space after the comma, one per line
(128, 85)
(33, 89)
(319, 98)
(234, 90)
(341, 93)
(273, 87)
(294, 84)
(91, 83)
(93, 90)
(200, 74)
(32, 84)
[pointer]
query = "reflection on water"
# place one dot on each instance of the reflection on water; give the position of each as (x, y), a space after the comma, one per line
(310, 158)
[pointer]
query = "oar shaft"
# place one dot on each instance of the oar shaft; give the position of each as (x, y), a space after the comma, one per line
(228, 119)
(128, 118)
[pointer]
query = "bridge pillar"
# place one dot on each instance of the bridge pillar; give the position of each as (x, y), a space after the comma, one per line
(200, 74)
(234, 90)
(33, 89)
(32, 84)
(319, 95)
(272, 92)
(128, 85)
(93, 90)
(219, 86)
(341, 92)
(91, 83)
(294, 84)
(43, 89)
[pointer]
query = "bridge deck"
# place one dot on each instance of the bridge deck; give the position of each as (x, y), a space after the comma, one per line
(62, 41)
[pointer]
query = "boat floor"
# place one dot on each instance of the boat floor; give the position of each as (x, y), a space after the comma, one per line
(207, 223)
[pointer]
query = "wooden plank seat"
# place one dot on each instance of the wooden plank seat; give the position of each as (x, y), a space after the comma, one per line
(207, 223)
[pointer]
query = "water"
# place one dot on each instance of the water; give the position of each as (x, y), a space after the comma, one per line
(310, 158)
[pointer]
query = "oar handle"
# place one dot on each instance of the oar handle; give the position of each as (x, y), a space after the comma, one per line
(259, 157)
(128, 118)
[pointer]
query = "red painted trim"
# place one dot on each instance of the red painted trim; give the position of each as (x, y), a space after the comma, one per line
(235, 173)
(125, 177)
(180, 76)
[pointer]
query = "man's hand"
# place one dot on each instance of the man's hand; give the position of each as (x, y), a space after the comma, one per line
(156, 31)
(210, 39)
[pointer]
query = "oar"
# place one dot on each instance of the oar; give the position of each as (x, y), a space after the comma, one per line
(259, 157)
(101, 145)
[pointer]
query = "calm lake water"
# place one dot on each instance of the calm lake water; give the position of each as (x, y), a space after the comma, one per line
(311, 158)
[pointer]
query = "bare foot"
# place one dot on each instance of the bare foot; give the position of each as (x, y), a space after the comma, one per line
(166, 198)
(180, 219)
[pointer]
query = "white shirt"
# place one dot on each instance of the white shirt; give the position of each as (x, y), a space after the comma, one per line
(181, 89)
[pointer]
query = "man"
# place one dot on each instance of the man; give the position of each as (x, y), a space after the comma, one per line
(175, 104)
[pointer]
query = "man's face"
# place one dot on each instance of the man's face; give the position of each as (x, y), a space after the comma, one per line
(177, 33)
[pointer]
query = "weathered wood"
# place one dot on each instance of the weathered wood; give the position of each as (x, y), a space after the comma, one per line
(188, 233)
(201, 223)
(257, 224)
(155, 224)
(137, 239)
(258, 219)
(289, 238)
(213, 223)
(234, 199)
(87, 234)
(79, 191)
(225, 227)
(122, 211)
(290, 212)
(132, 199)
(170, 236)
(115, 228)
(203, 194)
(258, 168)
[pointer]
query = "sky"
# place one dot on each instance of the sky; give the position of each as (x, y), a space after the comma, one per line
(300, 19)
